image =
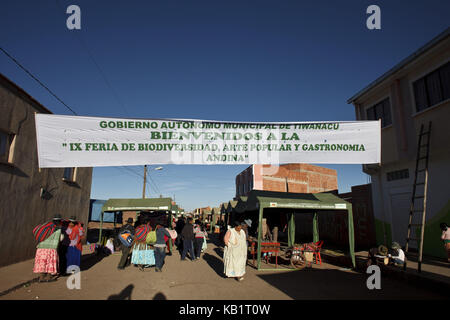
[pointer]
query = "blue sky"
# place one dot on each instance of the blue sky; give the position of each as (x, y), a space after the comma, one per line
(220, 60)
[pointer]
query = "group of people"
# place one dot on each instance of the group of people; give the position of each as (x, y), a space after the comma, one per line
(59, 248)
(189, 237)
(143, 253)
(192, 238)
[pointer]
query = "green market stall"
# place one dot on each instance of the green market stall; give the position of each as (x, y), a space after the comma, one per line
(296, 202)
(223, 212)
(215, 212)
(147, 204)
(230, 208)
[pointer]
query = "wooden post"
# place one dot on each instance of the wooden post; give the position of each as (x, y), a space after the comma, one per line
(101, 227)
(145, 181)
(258, 255)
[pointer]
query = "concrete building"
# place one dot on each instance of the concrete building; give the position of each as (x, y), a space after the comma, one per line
(30, 195)
(295, 177)
(411, 94)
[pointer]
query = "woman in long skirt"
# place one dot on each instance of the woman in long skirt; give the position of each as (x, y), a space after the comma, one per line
(75, 233)
(46, 260)
(143, 255)
(235, 252)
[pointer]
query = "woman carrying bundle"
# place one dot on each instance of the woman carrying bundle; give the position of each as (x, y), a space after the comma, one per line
(48, 236)
(143, 256)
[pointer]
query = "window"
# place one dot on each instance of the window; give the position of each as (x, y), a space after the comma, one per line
(6, 142)
(381, 110)
(397, 175)
(432, 88)
(69, 174)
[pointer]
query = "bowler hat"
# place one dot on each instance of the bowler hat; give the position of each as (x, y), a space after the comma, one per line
(130, 220)
(382, 250)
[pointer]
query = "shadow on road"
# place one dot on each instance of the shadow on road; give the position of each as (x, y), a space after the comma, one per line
(219, 252)
(337, 284)
(125, 294)
(215, 263)
(90, 260)
(159, 296)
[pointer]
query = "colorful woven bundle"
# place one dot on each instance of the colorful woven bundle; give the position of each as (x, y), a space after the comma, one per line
(141, 232)
(43, 231)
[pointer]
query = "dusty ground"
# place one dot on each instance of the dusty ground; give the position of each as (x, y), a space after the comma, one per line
(204, 279)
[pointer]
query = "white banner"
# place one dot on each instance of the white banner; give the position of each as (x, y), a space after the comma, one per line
(73, 141)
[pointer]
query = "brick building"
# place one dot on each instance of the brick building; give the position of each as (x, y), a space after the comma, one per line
(295, 177)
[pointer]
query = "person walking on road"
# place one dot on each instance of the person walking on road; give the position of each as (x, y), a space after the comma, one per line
(188, 237)
(235, 252)
(179, 228)
(199, 239)
(125, 250)
(160, 246)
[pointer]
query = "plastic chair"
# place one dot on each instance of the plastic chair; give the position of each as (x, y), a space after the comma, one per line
(316, 252)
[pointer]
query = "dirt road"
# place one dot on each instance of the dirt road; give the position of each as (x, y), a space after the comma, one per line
(204, 280)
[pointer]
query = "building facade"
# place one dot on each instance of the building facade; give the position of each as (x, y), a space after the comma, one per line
(413, 93)
(30, 195)
(295, 177)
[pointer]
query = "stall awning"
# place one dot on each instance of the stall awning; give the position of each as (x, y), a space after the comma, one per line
(137, 204)
(270, 199)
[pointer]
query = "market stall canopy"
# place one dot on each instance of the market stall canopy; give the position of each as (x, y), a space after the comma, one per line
(241, 205)
(271, 199)
(223, 207)
(231, 205)
(137, 204)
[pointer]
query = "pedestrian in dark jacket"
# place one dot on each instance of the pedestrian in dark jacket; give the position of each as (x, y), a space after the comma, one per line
(160, 246)
(187, 235)
(63, 247)
(125, 250)
(179, 228)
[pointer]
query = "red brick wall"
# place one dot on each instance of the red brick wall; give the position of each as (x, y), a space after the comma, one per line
(301, 178)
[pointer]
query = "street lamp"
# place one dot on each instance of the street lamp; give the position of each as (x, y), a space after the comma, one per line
(145, 178)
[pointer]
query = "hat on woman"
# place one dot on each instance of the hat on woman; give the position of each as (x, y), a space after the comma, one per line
(382, 250)
(73, 219)
(248, 222)
(57, 217)
(395, 245)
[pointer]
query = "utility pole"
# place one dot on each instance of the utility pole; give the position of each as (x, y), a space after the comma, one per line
(145, 181)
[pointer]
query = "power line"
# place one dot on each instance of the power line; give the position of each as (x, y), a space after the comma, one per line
(36, 79)
(102, 74)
